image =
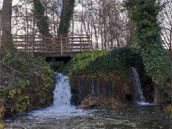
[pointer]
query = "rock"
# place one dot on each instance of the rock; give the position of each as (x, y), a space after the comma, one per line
(100, 102)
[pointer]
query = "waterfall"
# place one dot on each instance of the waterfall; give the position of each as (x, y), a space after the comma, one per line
(92, 87)
(62, 93)
(137, 89)
(61, 103)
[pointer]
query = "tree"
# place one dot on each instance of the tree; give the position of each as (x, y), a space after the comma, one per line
(66, 15)
(165, 17)
(0, 21)
(6, 24)
(143, 14)
(103, 19)
(41, 20)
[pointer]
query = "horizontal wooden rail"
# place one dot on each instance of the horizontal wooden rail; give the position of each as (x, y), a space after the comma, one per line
(60, 45)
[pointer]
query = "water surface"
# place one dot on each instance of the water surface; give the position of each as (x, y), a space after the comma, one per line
(132, 117)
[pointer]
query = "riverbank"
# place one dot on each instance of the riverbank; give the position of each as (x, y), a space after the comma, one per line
(27, 83)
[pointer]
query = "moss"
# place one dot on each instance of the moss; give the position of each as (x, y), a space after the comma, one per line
(80, 61)
(114, 64)
(27, 82)
(102, 62)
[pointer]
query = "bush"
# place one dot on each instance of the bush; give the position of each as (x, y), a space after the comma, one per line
(89, 62)
(26, 82)
(80, 61)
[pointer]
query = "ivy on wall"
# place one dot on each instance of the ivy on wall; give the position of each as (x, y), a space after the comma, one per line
(41, 19)
(66, 16)
(143, 14)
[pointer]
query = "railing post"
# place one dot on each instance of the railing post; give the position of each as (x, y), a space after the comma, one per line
(80, 44)
(61, 45)
(26, 42)
(91, 44)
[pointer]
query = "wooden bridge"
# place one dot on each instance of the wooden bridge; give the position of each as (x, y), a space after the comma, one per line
(52, 46)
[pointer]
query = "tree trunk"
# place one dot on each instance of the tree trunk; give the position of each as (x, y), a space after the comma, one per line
(0, 23)
(66, 15)
(41, 20)
(6, 24)
(157, 99)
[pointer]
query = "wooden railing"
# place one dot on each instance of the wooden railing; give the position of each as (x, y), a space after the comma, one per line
(52, 45)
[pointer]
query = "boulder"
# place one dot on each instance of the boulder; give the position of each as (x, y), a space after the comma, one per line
(100, 102)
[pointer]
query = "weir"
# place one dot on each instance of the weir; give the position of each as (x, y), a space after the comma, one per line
(62, 115)
(64, 95)
(61, 103)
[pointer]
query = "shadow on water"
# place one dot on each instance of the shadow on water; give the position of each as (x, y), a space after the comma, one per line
(131, 117)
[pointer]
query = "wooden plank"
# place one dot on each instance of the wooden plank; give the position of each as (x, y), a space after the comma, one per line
(51, 45)
(76, 48)
(67, 42)
(53, 37)
(53, 50)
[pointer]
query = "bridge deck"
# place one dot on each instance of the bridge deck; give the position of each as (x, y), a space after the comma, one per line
(52, 46)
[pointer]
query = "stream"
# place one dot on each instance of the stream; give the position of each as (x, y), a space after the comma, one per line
(132, 117)
(62, 115)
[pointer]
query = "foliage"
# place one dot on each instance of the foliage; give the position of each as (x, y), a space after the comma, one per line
(114, 60)
(66, 16)
(26, 83)
(80, 61)
(41, 20)
(144, 14)
(2, 124)
(115, 65)
(2, 109)
(168, 109)
(89, 62)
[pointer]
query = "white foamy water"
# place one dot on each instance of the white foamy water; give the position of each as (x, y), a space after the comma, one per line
(137, 89)
(145, 103)
(62, 102)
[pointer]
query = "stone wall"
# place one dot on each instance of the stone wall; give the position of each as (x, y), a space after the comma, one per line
(116, 87)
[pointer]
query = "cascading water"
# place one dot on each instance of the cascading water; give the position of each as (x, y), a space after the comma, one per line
(61, 115)
(62, 93)
(92, 87)
(62, 101)
(137, 89)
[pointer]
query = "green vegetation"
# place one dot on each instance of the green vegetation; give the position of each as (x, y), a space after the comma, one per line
(89, 62)
(66, 16)
(115, 60)
(26, 83)
(80, 61)
(168, 109)
(143, 14)
(41, 20)
(109, 64)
